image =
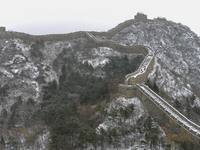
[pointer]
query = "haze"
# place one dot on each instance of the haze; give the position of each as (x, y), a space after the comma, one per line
(63, 16)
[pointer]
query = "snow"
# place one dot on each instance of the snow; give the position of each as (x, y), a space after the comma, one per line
(123, 102)
(36, 87)
(176, 49)
(100, 61)
(99, 56)
(15, 70)
(43, 140)
(143, 67)
(4, 49)
(104, 51)
(7, 73)
(50, 75)
(138, 113)
(92, 36)
(16, 59)
(176, 69)
(19, 58)
(32, 70)
(20, 45)
(170, 110)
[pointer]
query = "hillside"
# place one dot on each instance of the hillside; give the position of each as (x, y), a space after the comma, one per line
(177, 58)
(69, 82)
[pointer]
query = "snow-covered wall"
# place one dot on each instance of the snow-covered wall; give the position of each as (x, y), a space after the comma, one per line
(152, 101)
(143, 71)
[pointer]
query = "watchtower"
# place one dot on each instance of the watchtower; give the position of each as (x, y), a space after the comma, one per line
(2, 29)
(141, 17)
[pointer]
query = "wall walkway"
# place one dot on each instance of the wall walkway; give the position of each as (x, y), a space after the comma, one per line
(168, 110)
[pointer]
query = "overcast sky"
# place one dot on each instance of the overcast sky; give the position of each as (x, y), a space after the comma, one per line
(64, 16)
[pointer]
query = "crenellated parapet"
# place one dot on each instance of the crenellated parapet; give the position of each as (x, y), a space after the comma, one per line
(164, 113)
(141, 17)
(139, 76)
(2, 29)
(128, 49)
(49, 37)
(144, 69)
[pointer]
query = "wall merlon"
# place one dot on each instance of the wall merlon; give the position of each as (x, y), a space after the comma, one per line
(2, 29)
(141, 17)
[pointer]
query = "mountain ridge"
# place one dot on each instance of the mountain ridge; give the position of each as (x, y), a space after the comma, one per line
(28, 62)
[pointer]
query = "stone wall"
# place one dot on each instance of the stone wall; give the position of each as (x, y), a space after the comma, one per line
(10, 34)
(143, 77)
(2, 29)
(164, 118)
(118, 47)
(127, 91)
(137, 18)
(141, 17)
(158, 113)
(50, 37)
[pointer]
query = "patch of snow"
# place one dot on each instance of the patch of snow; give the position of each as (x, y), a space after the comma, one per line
(5, 72)
(15, 70)
(100, 61)
(9, 63)
(36, 87)
(119, 123)
(16, 59)
(20, 45)
(43, 140)
(104, 51)
(50, 76)
(123, 102)
(171, 110)
(197, 102)
(19, 58)
(4, 48)
(33, 70)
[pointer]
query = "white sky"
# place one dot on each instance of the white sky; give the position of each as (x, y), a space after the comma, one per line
(64, 16)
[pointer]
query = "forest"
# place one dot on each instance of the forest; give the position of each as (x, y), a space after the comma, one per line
(74, 107)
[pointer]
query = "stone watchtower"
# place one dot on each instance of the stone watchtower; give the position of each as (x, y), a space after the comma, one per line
(141, 17)
(2, 29)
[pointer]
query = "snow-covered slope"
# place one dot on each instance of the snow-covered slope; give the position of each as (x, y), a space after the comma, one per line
(177, 51)
(26, 66)
(135, 122)
(176, 70)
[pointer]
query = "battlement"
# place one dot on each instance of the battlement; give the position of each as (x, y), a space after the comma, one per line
(141, 17)
(161, 19)
(2, 29)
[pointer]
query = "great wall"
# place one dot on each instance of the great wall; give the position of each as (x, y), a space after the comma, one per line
(133, 85)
